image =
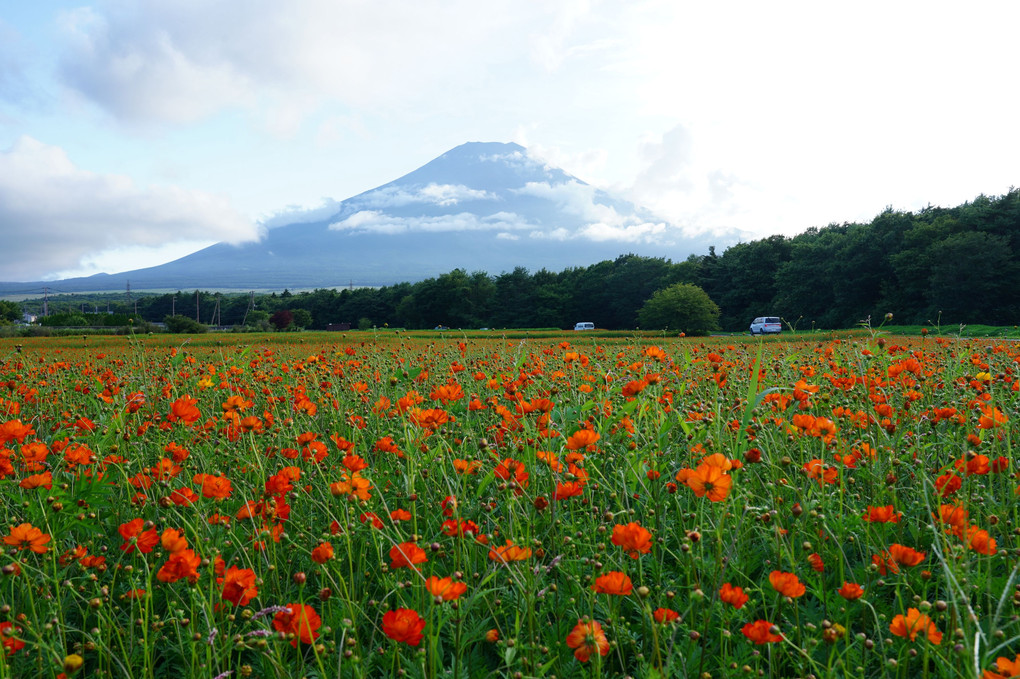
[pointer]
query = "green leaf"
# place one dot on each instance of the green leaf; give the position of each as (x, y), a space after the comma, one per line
(485, 483)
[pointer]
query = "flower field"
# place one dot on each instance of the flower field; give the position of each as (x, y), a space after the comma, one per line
(382, 505)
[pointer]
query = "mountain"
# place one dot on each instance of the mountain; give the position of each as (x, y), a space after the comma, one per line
(480, 206)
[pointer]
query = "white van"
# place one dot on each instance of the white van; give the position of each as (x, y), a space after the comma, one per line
(766, 325)
(584, 326)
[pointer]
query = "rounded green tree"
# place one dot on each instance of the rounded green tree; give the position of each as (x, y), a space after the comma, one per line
(682, 307)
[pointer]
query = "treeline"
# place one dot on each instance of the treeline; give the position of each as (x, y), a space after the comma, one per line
(954, 264)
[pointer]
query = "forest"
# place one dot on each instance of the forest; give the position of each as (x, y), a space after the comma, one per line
(950, 265)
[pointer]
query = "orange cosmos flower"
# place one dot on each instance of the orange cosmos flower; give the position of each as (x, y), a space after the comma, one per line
(914, 623)
(991, 418)
(135, 537)
(376, 522)
(711, 481)
(182, 564)
(821, 472)
(513, 470)
(587, 638)
(44, 480)
(613, 582)
(816, 562)
(850, 591)
(954, 516)
(719, 460)
(665, 615)
(12, 643)
(980, 541)
(948, 484)
(406, 555)
(172, 541)
(27, 536)
(14, 431)
(454, 529)
(905, 556)
(509, 552)
(356, 485)
(235, 403)
(353, 462)
(430, 418)
(239, 586)
(1004, 668)
(787, 584)
(184, 409)
(213, 487)
(582, 439)
(403, 625)
(252, 424)
(466, 466)
(733, 595)
(445, 588)
(447, 392)
(634, 387)
(568, 489)
(301, 621)
(973, 464)
(886, 514)
(885, 563)
(634, 539)
(760, 632)
(322, 553)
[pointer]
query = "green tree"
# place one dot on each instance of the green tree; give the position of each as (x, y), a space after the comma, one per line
(183, 325)
(302, 318)
(972, 279)
(9, 312)
(682, 307)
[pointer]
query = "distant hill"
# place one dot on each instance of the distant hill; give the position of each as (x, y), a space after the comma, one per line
(480, 206)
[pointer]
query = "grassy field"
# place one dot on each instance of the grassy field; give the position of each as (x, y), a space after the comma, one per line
(526, 504)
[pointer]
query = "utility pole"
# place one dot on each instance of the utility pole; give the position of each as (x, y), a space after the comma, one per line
(215, 320)
(46, 302)
(251, 306)
(173, 305)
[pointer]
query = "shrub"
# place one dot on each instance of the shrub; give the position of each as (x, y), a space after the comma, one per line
(682, 307)
(183, 324)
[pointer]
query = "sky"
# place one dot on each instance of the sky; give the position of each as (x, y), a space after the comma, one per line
(135, 131)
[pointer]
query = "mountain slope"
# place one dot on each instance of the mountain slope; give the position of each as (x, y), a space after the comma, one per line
(480, 206)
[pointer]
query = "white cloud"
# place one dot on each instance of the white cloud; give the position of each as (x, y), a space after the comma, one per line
(374, 221)
(432, 194)
(140, 256)
(296, 214)
(53, 213)
(645, 232)
(182, 61)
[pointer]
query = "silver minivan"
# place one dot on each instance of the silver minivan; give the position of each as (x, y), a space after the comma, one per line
(584, 326)
(766, 325)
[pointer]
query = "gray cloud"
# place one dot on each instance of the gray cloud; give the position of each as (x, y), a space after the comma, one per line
(53, 213)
